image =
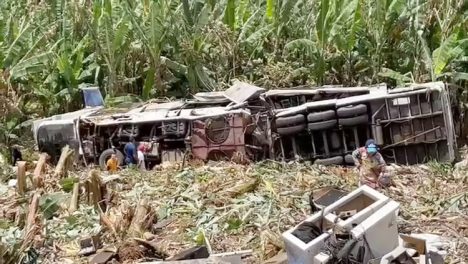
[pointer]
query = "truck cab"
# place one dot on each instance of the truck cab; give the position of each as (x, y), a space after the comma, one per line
(53, 133)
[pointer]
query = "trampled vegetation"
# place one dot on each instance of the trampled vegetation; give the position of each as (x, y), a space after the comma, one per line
(146, 48)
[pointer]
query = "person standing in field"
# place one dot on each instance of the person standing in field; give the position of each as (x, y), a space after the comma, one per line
(141, 157)
(112, 164)
(371, 166)
(130, 152)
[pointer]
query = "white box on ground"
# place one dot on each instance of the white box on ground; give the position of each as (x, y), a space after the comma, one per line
(364, 200)
(380, 231)
(367, 204)
(303, 253)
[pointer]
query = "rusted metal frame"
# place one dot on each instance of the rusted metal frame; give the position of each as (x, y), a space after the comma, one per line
(451, 137)
(283, 158)
(411, 117)
(356, 137)
(374, 122)
(429, 99)
(420, 111)
(294, 147)
(345, 144)
(404, 119)
(77, 130)
(94, 144)
(325, 144)
(405, 140)
(313, 143)
(406, 156)
(389, 118)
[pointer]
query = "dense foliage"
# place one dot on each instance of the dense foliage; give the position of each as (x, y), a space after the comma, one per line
(151, 48)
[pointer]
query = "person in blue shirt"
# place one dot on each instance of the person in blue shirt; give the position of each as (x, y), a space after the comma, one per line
(130, 152)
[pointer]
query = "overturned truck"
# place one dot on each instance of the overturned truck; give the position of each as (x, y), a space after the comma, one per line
(412, 125)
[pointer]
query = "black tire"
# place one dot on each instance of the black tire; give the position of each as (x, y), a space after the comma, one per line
(106, 154)
(337, 160)
(352, 121)
(290, 120)
(321, 116)
(353, 110)
(285, 131)
(321, 125)
(349, 159)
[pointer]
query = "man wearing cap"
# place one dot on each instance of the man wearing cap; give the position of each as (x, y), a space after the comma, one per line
(130, 152)
(371, 165)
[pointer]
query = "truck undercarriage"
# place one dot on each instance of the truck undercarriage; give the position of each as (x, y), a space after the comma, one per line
(411, 125)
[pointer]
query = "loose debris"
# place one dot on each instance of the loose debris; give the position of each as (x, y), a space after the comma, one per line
(227, 207)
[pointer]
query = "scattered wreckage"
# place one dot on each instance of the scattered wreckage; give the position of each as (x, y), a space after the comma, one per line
(359, 227)
(412, 125)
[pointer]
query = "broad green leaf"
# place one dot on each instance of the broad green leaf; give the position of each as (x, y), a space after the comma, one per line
(270, 9)
(446, 52)
(400, 78)
(247, 27)
(31, 65)
(230, 14)
(14, 51)
(427, 58)
(301, 44)
(67, 183)
(258, 35)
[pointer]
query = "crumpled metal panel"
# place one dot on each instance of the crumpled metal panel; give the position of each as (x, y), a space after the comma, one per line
(202, 147)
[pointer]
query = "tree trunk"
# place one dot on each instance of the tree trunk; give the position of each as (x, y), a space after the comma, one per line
(38, 177)
(30, 228)
(143, 219)
(21, 177)
(94, 189)
(33, 206)
(75, 198)
(64, 162)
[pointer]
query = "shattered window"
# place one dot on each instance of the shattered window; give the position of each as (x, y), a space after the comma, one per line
(92, 97)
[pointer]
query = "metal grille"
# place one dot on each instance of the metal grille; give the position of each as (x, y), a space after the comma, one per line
(217, 129)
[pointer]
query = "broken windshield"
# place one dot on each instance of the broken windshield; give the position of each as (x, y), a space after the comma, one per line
(92, 97)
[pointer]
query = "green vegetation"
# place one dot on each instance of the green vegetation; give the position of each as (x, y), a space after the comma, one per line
(170, 48)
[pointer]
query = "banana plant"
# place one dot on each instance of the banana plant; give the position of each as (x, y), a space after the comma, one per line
(111, 32)
(152, 25)
(196, 16)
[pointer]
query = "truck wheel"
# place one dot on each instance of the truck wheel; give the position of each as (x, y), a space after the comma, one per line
(321, 125)
(290, 120)
(353, 110)
(284, 131)
(330, 161)
(106, 154)
(349, 159)
(352, 121)
(321, 116)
